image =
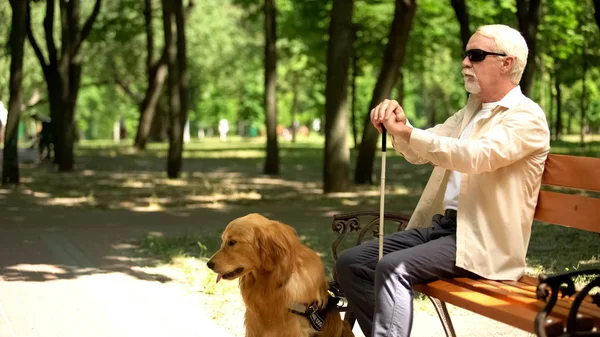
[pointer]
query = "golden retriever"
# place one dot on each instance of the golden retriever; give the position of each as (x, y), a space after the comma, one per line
(277, 272)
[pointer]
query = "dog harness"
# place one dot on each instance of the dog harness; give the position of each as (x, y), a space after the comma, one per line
(314, 314)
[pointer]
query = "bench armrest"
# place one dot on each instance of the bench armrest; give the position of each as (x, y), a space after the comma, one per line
(551, 286)
(342, 224)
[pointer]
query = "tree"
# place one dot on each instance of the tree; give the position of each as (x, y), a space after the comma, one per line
(178, 81)
(270, 94)
(460, 9)
(10, 164)
(528, 15)
(63, 73)
(156, 72)
(392, 62)
(336, 168)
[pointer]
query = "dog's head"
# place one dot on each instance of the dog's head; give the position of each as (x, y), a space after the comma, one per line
(255, 244)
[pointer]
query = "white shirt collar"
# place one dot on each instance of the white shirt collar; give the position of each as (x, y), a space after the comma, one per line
(514, 97)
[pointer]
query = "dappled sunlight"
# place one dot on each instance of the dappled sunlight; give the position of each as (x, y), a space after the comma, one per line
(54, 273)
(149, 208)
(78, 201)
(43, 268)
(216, 176)
(280, 182)
(44, 272)
(594, 261)
(176, 182)
(220, 197)
(88, 173)
(127, 246)
(137, 184)
(211, 205)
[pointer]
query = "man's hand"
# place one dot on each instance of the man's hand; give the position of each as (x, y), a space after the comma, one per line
(386, 109)
(398, 128)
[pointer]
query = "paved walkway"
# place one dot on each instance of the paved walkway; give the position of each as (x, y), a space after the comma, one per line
(70, 275)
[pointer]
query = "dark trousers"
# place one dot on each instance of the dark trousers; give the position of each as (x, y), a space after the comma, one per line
(380, 292)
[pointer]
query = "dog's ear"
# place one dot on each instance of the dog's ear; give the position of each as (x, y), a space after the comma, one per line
(277, 243)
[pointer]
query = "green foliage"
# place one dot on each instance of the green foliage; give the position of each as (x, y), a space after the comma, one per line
(225, 57)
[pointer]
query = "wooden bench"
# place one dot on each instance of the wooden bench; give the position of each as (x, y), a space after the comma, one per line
(547, 306)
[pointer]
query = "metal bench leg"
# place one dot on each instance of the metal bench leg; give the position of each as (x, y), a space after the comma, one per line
(445, 319)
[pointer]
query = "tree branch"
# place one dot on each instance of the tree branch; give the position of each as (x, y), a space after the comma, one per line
(127, 90)
(64, 32)
(33, 42)
(96, 84)
(188, 10)
(34, 100)
(87, 27)
(49, 30)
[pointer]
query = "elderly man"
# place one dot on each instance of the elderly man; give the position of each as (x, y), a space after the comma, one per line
(474, 216)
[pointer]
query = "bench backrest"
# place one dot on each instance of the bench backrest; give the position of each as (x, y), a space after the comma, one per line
(571, 210)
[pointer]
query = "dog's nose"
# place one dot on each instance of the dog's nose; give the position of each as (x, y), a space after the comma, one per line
(210, 264)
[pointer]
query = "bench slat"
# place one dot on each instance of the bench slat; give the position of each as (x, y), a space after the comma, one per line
(568, 210)
(572, 172)
(527, 287)
(586, 308)
(521, 317)
(524, 297)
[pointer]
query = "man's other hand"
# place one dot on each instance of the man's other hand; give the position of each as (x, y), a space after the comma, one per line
(397, 128)
(386, 109)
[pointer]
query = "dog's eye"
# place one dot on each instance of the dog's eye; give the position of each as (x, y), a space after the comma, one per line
(231, 242)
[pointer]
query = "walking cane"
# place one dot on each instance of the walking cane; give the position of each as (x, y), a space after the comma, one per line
(382, 192)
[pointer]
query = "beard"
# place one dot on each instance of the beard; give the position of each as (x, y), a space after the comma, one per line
(471, 82)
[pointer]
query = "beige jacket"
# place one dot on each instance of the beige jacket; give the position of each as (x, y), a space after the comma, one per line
(501, 165)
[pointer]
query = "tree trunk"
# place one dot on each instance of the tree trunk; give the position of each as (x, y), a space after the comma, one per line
(336, 168)
(10, 163)
(460, 9)
(400, 87)
(63, 74)
(559, 124)
(175, 43)
(392, 62)
(160, 122)
(528, 15)
(156, 72)
(270, 99)
(353, 85)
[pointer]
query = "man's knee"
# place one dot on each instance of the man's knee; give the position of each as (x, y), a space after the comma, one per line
(393, 264)
(342, 265)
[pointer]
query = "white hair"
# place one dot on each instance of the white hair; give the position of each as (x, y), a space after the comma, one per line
(510, 42)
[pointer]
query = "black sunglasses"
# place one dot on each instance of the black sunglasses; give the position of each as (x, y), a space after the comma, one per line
(478, 55)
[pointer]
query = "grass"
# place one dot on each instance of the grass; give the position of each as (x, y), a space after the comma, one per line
(215, 174)
(223, 174)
